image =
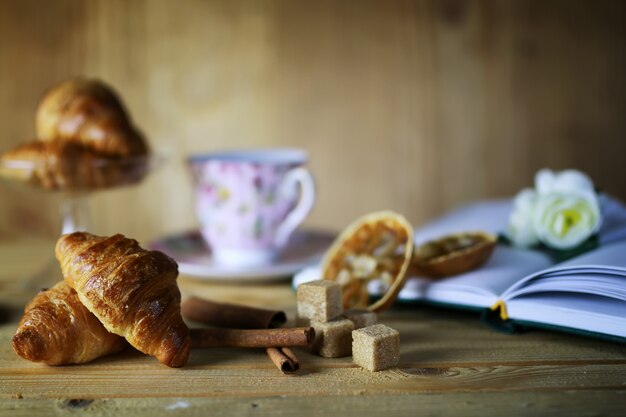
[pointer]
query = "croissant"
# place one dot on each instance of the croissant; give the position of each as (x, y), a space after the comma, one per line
(88, 112)
(58, 330)
(132, 291)
(62, 165)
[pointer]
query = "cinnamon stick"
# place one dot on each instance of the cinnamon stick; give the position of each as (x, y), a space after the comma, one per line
(242, 317)
(258, 338)
(284, 359)
(231, 315)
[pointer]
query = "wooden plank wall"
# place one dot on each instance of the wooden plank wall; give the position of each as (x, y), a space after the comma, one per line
(416, 106)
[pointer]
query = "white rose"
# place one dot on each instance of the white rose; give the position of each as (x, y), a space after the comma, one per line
(521, 230)
(571, 180)
(563, 220)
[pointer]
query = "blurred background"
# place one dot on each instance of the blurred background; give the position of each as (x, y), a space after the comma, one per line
(416, 106)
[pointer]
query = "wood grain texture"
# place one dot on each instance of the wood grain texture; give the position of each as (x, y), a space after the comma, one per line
(466, 404)
(411, 105)
(445, 354)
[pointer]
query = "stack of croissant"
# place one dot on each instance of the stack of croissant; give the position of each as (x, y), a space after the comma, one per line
(85, 139)
(113, 292)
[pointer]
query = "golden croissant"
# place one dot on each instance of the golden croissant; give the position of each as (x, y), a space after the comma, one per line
(58, 330)
(88, 112)
(132, 292)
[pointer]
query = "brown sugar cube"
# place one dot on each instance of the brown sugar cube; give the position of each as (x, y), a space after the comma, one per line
(319, 300)
(302, 322)
(333, 339)
(376, 347)
(361, 317)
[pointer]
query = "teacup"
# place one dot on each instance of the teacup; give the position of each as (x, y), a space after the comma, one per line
(249, 202)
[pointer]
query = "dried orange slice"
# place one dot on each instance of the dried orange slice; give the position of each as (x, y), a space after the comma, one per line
(452, 254)
(378, 247)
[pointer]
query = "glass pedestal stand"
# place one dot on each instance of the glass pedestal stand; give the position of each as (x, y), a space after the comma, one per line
(75, 216)
(75, 213)
(73, 205)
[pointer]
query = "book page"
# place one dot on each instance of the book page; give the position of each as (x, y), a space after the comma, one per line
(574, 311)
(613, 227)
(602, 264)
(606, 285)
(481, 287)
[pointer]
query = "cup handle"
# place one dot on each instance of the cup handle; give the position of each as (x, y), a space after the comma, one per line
(297, 176)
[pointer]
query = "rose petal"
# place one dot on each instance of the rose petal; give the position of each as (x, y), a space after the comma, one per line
(544, 181)
(572, 181)
(520, 230)
(525, 199)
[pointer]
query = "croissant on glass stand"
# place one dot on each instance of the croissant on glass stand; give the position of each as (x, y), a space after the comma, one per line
(58, 330)
(85, 139)
(131, 291)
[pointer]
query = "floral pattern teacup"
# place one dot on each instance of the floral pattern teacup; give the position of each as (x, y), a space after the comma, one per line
(249, 202)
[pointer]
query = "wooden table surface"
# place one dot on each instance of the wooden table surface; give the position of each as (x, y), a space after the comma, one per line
(450, 364)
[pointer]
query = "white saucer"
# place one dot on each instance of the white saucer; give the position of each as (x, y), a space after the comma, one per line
(306, 247)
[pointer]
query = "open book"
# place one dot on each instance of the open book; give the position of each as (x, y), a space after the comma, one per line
(586, 294)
